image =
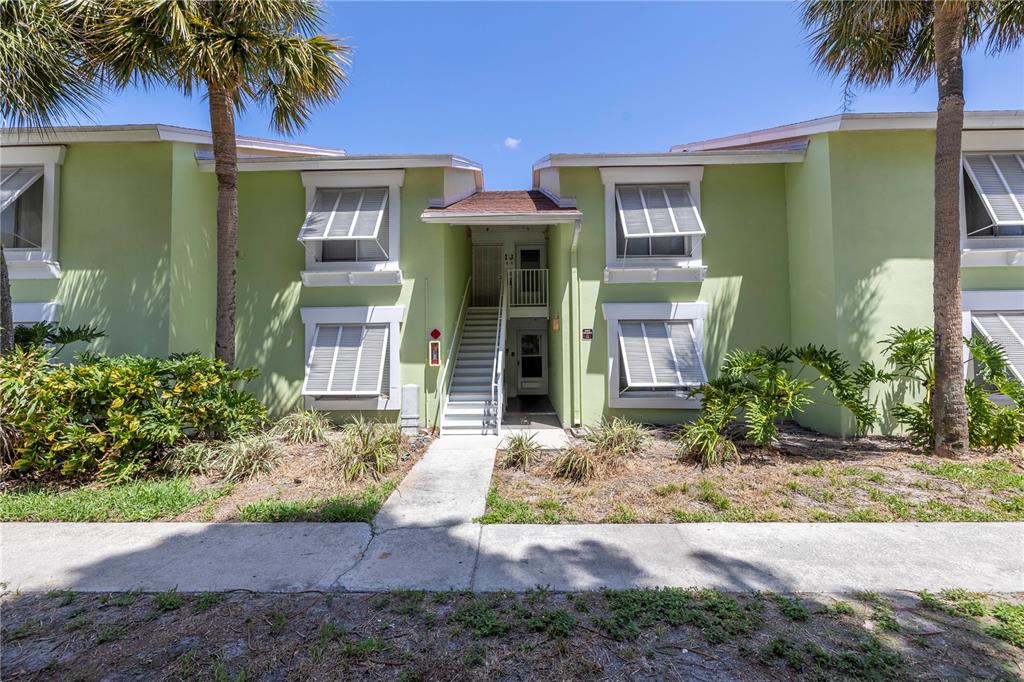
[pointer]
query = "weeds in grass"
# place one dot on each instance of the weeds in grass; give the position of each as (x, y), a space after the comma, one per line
(670, 489)
(171, 600)
(994, 474)
(840, 608)
(575, 463)
(247, 457)
(520, 448)
(64, 597)
(476, 655)
(782, 647)
(361, 506)
(306, 427)
(207, 600)
(368, 449)
(621, 514)
(618, 437)
(501, 510)
(136, 501)
(710, 495)
(482, 617)
(1009, 624)
(108, 633)
(720, 617)
(557, 623)
(791, 607)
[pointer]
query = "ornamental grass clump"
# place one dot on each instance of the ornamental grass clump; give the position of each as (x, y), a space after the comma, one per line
(196, 458)
(577, 463)
(618, 437)
(368, 449)
(306, 427)
(520, 448)
(247, 457)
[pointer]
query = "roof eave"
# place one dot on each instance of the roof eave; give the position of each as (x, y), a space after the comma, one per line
(669, 159)
(500, 218)
(381, 162)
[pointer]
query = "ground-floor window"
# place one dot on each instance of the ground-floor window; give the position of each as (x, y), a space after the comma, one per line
(352, 357)
(999, 317)
(655, 353)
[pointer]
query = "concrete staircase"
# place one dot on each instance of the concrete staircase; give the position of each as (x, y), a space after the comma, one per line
(469, 410)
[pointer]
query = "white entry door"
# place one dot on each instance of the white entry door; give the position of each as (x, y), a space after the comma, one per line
(532, 361)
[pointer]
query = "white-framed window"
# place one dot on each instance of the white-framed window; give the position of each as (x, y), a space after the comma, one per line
(655, 354)
(29, 194)
(352, 360)
(28, 314)
(998, 316)
(352, 225)
(993, 195)
(653, 227)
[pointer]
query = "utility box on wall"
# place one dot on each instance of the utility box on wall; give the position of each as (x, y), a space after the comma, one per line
(409, 418)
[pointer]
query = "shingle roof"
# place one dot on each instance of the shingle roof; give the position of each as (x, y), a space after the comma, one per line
(513, 201)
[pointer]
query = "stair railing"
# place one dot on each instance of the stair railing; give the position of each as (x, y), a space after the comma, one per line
(448, 369)
(498, 371)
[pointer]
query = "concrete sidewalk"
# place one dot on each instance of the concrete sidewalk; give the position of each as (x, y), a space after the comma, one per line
(302, 556)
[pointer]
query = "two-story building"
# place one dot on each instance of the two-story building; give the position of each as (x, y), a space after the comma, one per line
(398, 286)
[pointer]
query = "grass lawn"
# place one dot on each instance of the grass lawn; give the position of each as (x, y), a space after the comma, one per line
(635, 634)
(138, 501)
(305, 484)
(811, 478)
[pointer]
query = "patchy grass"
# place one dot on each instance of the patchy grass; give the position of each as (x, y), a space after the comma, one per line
(359, 506)
(999, 618)
(409, 635)
(137, 501)
(811, 478)
(500, 510)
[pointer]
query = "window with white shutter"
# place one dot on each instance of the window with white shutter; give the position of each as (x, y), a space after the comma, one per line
(348, 360)
(994, 195)
(1007, 330)
(659, 355)
(21, 207)
(349, 224)
(656, 221)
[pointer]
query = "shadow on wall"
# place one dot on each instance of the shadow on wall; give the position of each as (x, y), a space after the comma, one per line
(719, 324)
(270, 337)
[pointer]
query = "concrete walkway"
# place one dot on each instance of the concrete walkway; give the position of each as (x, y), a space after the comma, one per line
(424, 538)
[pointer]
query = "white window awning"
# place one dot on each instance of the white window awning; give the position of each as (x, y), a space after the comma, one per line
(660, 354)
(647, 211)
(347, 360)
(1006, 330)
(345, 214)
(14, 181)
(999, 179)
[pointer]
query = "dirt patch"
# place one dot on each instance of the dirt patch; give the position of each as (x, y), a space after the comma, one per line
(642, 634)
(811, 477)
(303, 473)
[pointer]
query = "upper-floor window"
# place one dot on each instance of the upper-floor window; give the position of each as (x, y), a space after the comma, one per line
(993, 195)
(655, 221)
(29, 189)
(351, 230)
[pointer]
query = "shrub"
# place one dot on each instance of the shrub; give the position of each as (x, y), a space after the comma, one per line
(191, 459)
(910, 354)
(576, 463)
(309, 426)
(246, 457)
(42, 334)
(619, 437)
(368, 448)
(115, 415)
(520, 448)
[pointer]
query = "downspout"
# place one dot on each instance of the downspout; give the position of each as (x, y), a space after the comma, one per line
(577, 335)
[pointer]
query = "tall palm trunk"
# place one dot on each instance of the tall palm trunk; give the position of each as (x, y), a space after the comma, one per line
(6, 307)
(225, 157)
(949, 406)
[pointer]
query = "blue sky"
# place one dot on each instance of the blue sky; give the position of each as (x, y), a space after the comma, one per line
(506, 83)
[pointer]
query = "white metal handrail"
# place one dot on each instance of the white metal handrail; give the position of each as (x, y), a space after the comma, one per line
(498, 371)
(444, 384)
(527, 287)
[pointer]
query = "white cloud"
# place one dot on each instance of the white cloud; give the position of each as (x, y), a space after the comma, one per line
(512, 142)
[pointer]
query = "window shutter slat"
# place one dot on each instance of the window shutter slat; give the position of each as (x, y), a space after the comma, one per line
(14, 182)
(371, 364)
(1007, 330)
(688, 356)
(315, 225)
(368, 220)
(1012, 168)
(660, 354)
(657, 210)
(321, 357)
(992, 186)
(349, 214)
(349, 344)
(631, 212)
(634, 354)
(687, 219)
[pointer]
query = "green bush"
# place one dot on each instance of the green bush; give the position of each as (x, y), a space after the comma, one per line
(115, 415)
(910, 354)
(759, 387)
(618, 437)
(368, 448)
(520, 448)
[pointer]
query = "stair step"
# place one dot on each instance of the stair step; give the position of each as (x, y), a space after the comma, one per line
(459, 393)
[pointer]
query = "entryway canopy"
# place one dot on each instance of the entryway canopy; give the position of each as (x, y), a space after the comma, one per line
(513, 207)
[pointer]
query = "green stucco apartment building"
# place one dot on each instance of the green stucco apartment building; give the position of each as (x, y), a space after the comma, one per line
(397, 286)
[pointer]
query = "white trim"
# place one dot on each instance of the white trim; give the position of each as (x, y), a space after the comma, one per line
(494, 218)
(152, 133)
(350, 163)
(990, 300)
(356, 273)
(845, 122)
(695, 312)
(668, 159)
(990, 251)
(651, 269)
(390, 315)
(30, 313)
(38, 263)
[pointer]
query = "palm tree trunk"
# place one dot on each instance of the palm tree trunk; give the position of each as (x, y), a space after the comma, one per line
(225, 156)
(6, 307)
(949, 406)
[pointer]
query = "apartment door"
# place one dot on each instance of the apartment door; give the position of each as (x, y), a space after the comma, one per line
(487, 263)
(532, 362)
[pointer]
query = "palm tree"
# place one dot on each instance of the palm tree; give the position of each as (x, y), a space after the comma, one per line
(46, 78)
(240, 52)
(873, 43)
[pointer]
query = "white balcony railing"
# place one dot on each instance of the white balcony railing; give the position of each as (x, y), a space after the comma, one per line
(527, 287)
